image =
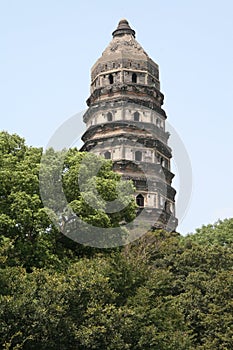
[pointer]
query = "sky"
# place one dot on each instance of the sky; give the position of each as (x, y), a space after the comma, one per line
(47, 49)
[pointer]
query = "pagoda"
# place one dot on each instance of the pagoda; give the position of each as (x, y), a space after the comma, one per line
(125, 122)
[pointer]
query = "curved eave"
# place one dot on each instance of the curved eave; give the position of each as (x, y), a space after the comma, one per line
(147, 141)
(121, 165)
(130, 90)
(123, 102)
(143, 127)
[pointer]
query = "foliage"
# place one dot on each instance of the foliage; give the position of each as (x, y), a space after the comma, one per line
(161, 292)
(219, 233)
(26, 178)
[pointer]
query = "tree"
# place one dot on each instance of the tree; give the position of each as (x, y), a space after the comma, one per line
(163, 291)
(220, 233)
(27, 178)
(23, 219)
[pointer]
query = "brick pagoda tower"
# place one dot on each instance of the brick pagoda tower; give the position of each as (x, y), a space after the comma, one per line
(126, 123)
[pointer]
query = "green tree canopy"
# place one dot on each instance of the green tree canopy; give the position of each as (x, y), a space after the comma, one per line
(34, 237)
(160, 292)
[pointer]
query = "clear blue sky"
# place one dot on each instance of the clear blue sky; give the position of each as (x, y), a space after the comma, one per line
(47, 50)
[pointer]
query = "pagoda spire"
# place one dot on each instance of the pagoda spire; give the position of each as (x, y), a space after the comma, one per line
(123, 28)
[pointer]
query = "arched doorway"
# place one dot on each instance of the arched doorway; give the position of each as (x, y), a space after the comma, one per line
(136, 117)
(107, 155)
(140, 200)
(110, 78)
(138, 156)
(109, 117)
(134, 78)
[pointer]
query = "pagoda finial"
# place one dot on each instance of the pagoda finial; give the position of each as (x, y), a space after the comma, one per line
(123, 28)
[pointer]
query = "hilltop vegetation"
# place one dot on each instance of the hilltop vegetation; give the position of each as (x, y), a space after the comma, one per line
(163, 291)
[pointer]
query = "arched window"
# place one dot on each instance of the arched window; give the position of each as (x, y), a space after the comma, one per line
(138, 155)
(136, 117)
(107, 155)
(159, 123)
(109, 117)
(134, 78)
(167, 207)
(162, 161)
(140, 200)
(110, 78)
